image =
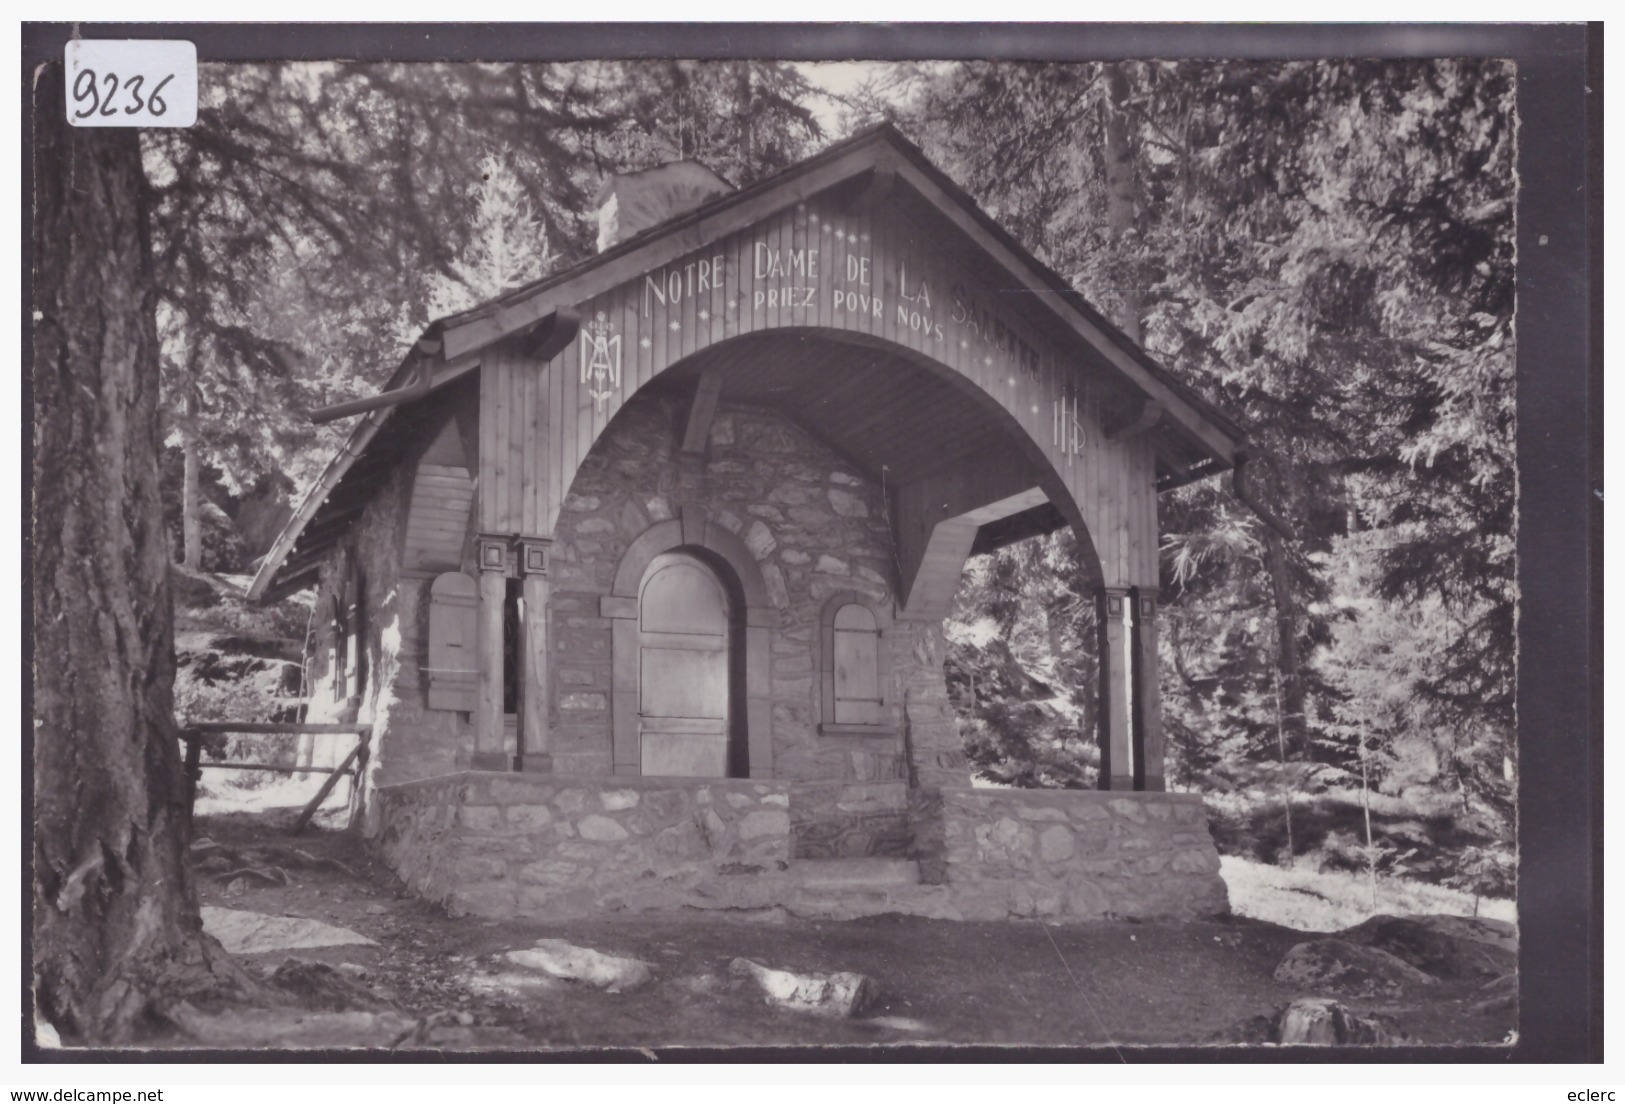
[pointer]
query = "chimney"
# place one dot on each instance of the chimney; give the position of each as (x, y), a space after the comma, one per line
(630, 203)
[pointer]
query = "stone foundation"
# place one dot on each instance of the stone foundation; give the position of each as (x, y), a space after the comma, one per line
(1071, 854)
(503, 845)
(551, 846)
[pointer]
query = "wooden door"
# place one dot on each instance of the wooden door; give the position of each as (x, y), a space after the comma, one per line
(683, 666)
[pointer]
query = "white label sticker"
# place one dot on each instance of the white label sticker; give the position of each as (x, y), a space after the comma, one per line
(131, 82)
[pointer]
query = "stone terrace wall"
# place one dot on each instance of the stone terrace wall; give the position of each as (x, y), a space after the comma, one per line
(1070, 854)
(503, 845)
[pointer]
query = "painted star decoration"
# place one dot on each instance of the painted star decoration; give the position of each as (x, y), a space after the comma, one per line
(674, 325)
(644, 343)
(705, 316)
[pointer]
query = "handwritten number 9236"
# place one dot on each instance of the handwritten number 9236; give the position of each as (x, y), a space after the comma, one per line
(101, 102)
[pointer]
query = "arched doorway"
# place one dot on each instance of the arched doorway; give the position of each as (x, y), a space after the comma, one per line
(682, 587)
(689, 656)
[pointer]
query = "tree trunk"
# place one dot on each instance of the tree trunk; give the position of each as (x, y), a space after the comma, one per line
(1120, 197)
(1287, 660)
(191, 522)
(115, 919)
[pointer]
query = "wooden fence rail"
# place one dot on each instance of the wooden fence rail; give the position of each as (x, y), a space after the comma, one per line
(353, 764)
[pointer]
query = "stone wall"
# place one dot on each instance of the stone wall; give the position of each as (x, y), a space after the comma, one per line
(535, 845)
(410, 740)
(520, 845)
(1070, 854)
(816, 526)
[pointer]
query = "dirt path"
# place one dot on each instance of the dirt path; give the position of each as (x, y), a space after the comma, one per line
(941, 982)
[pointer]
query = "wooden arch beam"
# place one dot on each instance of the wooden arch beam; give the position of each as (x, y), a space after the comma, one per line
(937, 518)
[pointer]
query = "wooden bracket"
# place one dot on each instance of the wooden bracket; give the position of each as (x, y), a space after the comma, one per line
(422, 380)
(701, 410)
(552, 335)
(1150, 414)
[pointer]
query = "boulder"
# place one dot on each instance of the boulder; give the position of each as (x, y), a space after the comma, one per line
(559, 959)
(838, 995)
(241, 932)
(1319, 1021)
(1348, 968)
(1444, 946)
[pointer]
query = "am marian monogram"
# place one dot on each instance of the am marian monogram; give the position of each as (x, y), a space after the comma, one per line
(601, 367)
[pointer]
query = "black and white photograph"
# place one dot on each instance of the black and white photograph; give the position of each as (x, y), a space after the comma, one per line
(788, 555)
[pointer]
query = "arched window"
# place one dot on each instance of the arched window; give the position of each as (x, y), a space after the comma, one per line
(854, 667)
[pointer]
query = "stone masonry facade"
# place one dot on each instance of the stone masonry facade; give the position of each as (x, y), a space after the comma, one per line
(505, 846)
(815, 526)
(1074, 854)
(580, 839)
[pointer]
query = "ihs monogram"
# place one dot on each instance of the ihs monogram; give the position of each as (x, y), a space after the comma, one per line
(601, 368)
(1068, 430)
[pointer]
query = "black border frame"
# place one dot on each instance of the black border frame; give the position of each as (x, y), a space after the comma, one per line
(1559, 446)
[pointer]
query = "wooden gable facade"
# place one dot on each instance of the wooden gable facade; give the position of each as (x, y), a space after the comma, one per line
(862, 294)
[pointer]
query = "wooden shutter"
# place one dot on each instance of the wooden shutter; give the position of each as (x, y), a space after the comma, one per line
(858, 693)
(453, 671)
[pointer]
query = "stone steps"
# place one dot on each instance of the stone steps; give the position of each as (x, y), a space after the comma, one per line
(834, 876)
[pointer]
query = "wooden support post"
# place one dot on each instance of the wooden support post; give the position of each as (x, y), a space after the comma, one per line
(488, 711)
(1116, 755)
(535, 744)
(701, 411)
(1148, 751)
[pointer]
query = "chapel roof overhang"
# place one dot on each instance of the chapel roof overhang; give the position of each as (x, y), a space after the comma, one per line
(450, 348)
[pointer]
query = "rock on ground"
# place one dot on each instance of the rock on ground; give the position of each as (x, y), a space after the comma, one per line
(1350, 968)
(242, 932)
(513, 983)
(1319, 1021)
(1444, 946)
(839, 995)
(289, 1028)
(559, 959)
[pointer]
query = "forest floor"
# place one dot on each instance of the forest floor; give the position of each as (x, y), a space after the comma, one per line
(1019, 983)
